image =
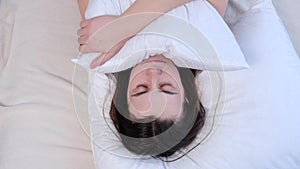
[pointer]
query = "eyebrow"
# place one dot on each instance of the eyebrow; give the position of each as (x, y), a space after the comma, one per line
(142, 85)
(166, 84)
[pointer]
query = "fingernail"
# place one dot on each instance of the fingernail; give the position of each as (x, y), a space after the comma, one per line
(92, 66)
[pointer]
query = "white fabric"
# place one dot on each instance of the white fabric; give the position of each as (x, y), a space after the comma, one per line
(289, 13)
(286, 9)
(258, 127)
(39, 126)
(207, 42)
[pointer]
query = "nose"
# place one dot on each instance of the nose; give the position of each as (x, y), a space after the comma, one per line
(153, 75)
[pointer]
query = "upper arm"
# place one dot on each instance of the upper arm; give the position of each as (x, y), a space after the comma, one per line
(82, 7)
(220, 5)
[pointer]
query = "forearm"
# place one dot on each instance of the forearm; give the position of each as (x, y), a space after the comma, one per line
(158, 6)
(143, 12)
(111, 31)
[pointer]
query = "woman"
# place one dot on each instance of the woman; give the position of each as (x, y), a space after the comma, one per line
(155, 108)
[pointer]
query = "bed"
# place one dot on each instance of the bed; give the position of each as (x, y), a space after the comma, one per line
(43, 108)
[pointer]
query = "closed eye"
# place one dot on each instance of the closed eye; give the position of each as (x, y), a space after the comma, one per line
(164, 91)
(169, 92)
(139, 93)
(140, 89)
(167, 88)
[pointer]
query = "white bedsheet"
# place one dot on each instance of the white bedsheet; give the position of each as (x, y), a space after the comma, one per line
(286, 9)
(38, 124)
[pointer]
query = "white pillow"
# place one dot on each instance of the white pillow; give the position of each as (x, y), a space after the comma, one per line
(193, 36)
(258, 128)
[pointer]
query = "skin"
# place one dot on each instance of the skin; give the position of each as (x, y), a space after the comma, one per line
(134, 19)
(155, 89)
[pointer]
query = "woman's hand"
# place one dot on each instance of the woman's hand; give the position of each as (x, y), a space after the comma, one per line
(101, 34)
(108, 34)
(104, 57)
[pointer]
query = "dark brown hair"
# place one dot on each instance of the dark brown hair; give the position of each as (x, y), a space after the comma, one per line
(158, 138)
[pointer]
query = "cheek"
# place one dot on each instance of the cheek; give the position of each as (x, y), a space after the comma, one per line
(140, 103)
(173, 106)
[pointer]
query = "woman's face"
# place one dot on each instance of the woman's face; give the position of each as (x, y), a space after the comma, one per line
(155, 89)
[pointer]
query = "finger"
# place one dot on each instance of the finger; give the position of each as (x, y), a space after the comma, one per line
(85, 49)
(98, 61)
(101, 59)
(83, 23)
(80, 48)
(81, 32)
(82, 40)
(106, 57)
